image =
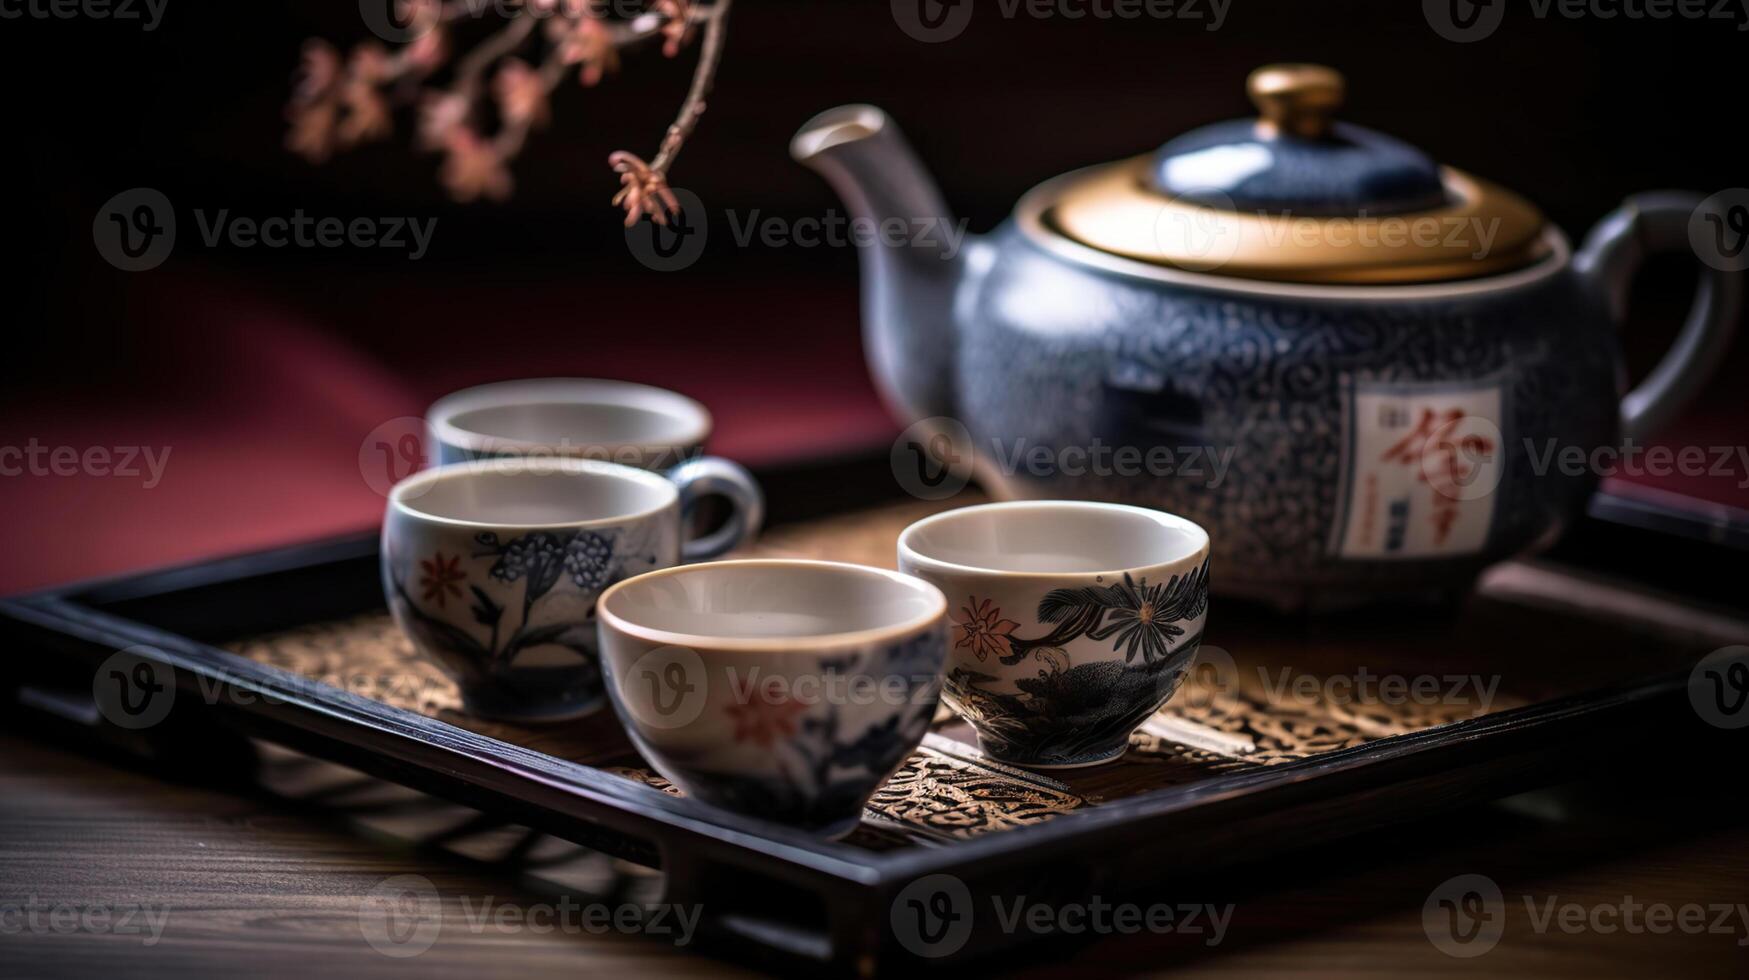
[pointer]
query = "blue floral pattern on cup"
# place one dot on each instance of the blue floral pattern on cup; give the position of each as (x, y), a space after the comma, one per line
(1068, 713)
(520, 594)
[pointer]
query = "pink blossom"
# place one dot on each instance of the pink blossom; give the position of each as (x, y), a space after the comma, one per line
(474, 168)
(369, 63)
(590, 44)
(425, 53)
(312, 131)
(318, 71)
(522, 93)
(642, 189)
(439, 114)
(367, 114)
(677, 28)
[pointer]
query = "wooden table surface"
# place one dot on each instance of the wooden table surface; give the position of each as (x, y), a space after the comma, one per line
(280, 881)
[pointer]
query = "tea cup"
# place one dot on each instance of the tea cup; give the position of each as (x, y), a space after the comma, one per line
(492, 568)
(787, 690)
(593, 418)
(1073, 621)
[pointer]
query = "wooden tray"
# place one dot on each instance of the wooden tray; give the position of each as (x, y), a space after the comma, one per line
(1297, 731)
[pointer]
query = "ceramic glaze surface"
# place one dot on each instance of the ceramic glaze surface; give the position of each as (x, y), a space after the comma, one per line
(1072, 625)
(1262, 404)
(1349, 171)
(784, 690)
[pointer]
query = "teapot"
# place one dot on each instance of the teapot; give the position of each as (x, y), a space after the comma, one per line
(1361, 371)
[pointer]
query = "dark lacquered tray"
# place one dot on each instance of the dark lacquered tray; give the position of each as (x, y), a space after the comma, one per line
(1292, 735)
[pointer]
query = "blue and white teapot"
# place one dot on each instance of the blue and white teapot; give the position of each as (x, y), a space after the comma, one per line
(1351, 365)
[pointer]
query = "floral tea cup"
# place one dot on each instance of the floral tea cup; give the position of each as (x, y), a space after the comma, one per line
(781, 689)
(493, 568)
(1074, 621)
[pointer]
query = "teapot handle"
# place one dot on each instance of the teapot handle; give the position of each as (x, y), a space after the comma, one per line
(1646, 224)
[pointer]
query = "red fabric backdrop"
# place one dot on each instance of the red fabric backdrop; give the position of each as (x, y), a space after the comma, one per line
(264, 394)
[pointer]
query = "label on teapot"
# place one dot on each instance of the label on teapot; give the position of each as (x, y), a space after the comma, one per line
(1420, 465)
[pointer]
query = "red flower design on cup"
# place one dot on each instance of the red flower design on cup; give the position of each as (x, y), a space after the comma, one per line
(765, 717)
(981, 628)
(441, 579)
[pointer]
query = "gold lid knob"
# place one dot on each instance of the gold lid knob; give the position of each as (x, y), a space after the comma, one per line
(1296, 99)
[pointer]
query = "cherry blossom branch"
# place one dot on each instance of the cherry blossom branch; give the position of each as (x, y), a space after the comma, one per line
(519, 123)
(644, 186)
(703, 77)
(338, 104)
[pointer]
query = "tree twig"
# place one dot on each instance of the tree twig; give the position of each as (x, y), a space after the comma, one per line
(703, 77)
(345, 101)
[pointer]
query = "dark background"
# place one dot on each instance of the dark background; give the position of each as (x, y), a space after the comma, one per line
(1572, 113)
(265, 368)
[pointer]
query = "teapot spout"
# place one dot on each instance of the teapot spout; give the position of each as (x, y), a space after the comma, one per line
(913, 253)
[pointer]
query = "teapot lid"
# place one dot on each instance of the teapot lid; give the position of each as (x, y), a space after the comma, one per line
(1296, 196)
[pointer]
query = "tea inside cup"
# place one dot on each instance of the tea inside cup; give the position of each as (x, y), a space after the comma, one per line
(770, 605)
(782, 689)
(531, 494)
(1053, 537)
